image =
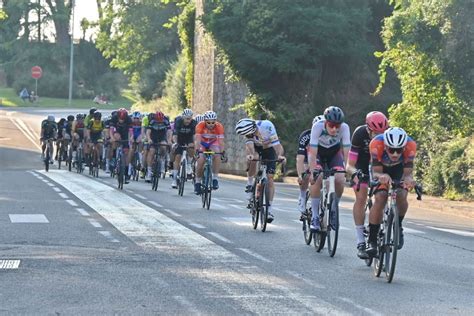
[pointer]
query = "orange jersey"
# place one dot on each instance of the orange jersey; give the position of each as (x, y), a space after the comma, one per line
(380, 157)
(210, 135)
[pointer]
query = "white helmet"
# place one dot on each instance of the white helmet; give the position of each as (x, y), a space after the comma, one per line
(187, 113)
(210, 115)
(245, 127)
(395, 137)
(318, 118)
(199, 118)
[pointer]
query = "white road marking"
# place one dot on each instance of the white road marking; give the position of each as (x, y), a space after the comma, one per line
(453, 231)
(220, 237)
(9, 264)
(236, 206)
(216, 205)
(94, 223)
(309, 282)
(283, 210)
(155, 204)
(27, 133)
(28, 218)
(240, 221)
(64, 195)
(56, 189)
(184, 302)
(83, 212)
(197, 225)
(140, 196)
(50, 184)
(412, 231)
(366, 310)
(45, 181)
(105, 233)
(171, 212)
(255, 255)
(72, 203)
(142, 224)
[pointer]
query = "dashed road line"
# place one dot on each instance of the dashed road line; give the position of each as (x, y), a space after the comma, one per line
(196, 225)
(94, 223)
(255, 255)
(72, 203)
(50, 184)
(140, 196)
(63, 195)
(235, 206)
(83, 212)
(220, 237)
(171, 212)
(155, 204)
(296, 275)
(56, 189)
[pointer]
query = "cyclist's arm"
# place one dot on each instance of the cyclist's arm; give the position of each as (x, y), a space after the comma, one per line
(300, 165)
(148, 135)
(346, 140)
(313, 144)
(279, 150)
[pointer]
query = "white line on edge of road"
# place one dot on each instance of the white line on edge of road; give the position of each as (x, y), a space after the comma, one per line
(83, 212)
(453, 231)
(155, 204)
(171, 212)
(220, 237)
(255, 255)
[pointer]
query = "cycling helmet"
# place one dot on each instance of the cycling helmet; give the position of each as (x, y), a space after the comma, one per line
(245, 127)
(159, 116)
(395, 137)
(334, 114)
(122, 114)
(317, 119)
(62, 120)
(113, 113)
(70, 118)
(92, 111)
(136, 115)
(51, 118)
(97, 115)
(79, 116)
(376, 121)
(187, 113)
(210, 115)
(199, 118)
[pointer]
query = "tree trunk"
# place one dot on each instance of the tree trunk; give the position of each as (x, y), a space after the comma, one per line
(60, 14)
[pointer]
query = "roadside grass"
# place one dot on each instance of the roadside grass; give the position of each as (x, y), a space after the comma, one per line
(9, 98)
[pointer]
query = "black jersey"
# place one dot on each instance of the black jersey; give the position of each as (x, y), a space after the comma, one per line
(121, 127)
(303, 143)
(360, 145)
(185, 133)
(159, 129)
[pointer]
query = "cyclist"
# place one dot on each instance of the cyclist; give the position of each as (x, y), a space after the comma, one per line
(392, 154)
(87, 119)
(183, 135)
(61, 125)
(302, 165)
(158, 132)
(107, 144)
(121, 131)
(329, 144)
(262, 141)
(358, 162)
(199, 118)
(146, 145)
(78, 133)
(94, 133)
(137, 137)
(209, 136)
(49, 130)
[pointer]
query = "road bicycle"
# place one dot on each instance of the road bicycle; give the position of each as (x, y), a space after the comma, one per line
(94, 162)
(388, 237)
(63, 151)
(328, 211)
(157, 167)
(206, 184)
(80, 157)
(48, 153)
(120, 164)
(136, 162)
(260, 197)
(182, 175)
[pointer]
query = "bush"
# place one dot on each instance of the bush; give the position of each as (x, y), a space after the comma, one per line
(174, 95)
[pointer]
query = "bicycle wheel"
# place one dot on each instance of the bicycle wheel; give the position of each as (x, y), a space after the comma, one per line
(264, 206)
(69, 158)
(120, 172)
(378, 260)
(155, 175)
(333, 226)
(47, 157)
(391, 243)
(208, 188)
(60, 154)
(204, 188)
(255, 206)
(181, 178)
(308, 236)
(319, 238)
(96, 164)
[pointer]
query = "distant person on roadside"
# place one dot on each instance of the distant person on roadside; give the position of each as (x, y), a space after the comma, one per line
(24, 95)
(33, 97)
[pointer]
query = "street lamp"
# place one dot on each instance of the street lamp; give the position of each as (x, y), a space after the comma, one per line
(71, 62)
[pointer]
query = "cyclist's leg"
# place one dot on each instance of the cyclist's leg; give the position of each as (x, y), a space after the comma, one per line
(191, 151)
(199, 170)
(177, 152)
(216, 166)
(375, 218)
(270, 154)
(315, 194)
(150, 158)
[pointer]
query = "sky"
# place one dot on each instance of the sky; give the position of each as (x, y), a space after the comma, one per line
(84, 9)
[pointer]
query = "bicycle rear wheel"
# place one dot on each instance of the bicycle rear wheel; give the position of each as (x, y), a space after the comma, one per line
(60, 154)
(255, 211)
(319, 238)
(156, 174)
(379, 259)
(308, 236)
(181, 178)
(391, 243)
(264, 194)
(333, 226)
(120, 173)
(47, 157)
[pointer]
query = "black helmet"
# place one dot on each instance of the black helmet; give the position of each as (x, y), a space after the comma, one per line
(92, 111)
(113, 114)
(70, 118)
(334, 114)
(97, 115)
(79, 116)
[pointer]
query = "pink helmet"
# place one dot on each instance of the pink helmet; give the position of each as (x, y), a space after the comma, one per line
(376, 121)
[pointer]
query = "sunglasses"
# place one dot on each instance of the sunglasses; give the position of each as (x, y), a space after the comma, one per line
(210, 123)
(333, 125)
(394, 150)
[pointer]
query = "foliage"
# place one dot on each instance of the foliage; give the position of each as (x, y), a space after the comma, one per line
(428, 46)
(186, 25)
(134, 37)
(174, 86)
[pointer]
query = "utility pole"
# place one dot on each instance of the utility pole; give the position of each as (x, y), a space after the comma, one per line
(71, 62)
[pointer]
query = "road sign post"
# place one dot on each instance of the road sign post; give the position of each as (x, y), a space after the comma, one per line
(36, 73)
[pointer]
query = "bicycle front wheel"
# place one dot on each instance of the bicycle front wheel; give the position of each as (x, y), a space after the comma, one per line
(264, 194)
(182, 178)
(255, 210)
(333, 226)
(391, 243)
(308, 236)
(319, 238)
(47, 157)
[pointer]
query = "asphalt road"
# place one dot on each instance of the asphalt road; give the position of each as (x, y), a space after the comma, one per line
(80, 246)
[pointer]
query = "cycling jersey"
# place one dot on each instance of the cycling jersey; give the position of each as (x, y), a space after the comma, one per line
(145, 122)
(321, 138)
(88, 119)
(303, 144)
(137, 129)
(49, 128)
(380, 156)
(209, 136)
(159, 130)
(121, 127)
(265, 136)
(360, 148)
(184, 132)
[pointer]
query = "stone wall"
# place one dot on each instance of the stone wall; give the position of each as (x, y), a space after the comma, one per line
(211, 91)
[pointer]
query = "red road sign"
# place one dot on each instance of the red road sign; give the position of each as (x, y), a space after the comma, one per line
(36, 72)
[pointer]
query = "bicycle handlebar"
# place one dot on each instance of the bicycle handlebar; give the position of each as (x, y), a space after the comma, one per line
(395, 184)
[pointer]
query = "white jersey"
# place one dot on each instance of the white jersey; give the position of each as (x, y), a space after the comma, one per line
(320, 137)
(266, 135)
